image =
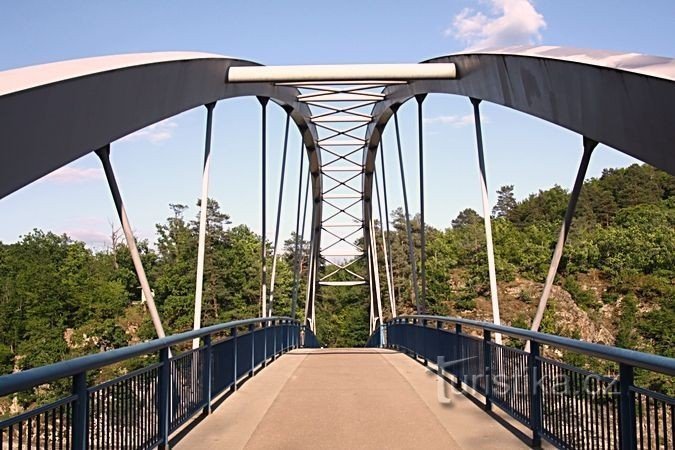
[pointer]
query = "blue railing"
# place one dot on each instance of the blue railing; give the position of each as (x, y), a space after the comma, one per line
(308, 338)
(566, 405)
(141, 409)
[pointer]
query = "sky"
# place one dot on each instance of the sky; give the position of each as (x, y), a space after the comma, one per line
(161, 164)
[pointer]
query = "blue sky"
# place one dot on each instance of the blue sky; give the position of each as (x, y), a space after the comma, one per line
(162, 164)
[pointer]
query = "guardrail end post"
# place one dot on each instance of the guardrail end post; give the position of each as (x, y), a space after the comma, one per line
(534, 375)
(487, 368)
(80, 413)
(207, 373)
(626, 407)
(164, 398)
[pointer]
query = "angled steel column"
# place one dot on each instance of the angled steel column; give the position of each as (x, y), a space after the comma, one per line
(276, 230)
(494, 295)
(390, 284)
(386, 216)
(589, 146)
(371, 289)
(104, 154)
(263, 244)
(423, 239)
(377, 300)
(310, 280)
(411, 250)
(310, 314)
(298, 240)
(199, 285)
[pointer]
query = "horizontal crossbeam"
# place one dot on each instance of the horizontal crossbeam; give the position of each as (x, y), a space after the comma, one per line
(343, 72)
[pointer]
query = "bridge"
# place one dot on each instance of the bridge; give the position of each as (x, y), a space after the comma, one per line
(265, 382)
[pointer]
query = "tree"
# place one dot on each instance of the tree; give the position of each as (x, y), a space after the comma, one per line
(465, 218)
(506, 202)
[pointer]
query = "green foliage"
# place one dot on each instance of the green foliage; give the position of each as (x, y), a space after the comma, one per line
(506, 202)
(61, 299)
(582, 297)
(625, 335)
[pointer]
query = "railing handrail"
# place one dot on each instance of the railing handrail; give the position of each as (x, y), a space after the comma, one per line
(656, 363)
(30, 378)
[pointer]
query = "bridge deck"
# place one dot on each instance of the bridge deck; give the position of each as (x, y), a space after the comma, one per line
(346, 398)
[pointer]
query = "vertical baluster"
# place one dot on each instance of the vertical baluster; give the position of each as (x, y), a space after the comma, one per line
(609, 409)
(588, 417)
(656, 424)
(60, 427)
(37, 431)
(561, 420)
(665, 424)
(46, 425)
(599, 400)
(597, 416)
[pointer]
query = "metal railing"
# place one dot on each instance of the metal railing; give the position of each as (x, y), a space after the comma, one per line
(141, 409)
(566, 405)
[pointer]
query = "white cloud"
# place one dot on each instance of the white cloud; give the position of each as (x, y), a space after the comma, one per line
(509, 22)
(155, 133)
(456, 121)
(91, 237)
(70, 174)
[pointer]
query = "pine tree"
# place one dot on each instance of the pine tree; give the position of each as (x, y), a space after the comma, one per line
(506, 201)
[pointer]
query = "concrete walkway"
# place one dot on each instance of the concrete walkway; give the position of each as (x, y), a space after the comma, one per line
(346, 398)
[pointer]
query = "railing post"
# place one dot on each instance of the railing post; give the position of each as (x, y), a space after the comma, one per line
(251, 329)
(164, 397)
(534, 375)
(285, 336)
(290, 335)
(458, 354)
(266, 329)
(487, 368)
(80, 413)
(439, 327)
(424, 342)
(206, 381)
(626, 407)
(408, 327)
(290, 332)
(236, 357)
(274, 335)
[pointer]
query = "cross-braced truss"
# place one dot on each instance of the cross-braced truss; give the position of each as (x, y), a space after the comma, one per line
(341, 113)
